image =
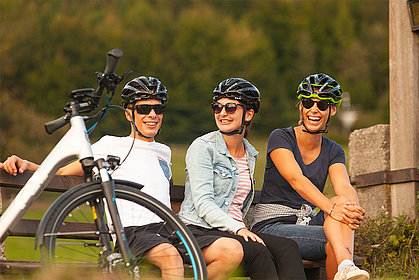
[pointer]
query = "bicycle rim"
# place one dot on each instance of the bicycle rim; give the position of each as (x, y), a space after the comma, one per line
(71, 238)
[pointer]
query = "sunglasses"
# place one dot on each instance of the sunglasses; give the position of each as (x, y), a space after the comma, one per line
(322, 104)
(146, 109)
(229, 107)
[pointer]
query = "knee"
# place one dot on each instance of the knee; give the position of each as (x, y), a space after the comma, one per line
(340, 199)
(289, 247)
(230, 250)
(165, 255)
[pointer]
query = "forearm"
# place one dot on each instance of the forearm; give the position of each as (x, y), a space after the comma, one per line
(32, 166)
(304, 187)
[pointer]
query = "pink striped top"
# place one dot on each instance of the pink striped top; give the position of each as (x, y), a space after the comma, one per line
(243, 189)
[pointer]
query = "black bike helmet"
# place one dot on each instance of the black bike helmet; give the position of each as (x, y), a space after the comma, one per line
(327, 88)
(239, 89)
(142, 88)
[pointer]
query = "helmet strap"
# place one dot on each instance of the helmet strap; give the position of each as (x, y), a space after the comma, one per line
(136, 130)
(326, 127)
(238, 131)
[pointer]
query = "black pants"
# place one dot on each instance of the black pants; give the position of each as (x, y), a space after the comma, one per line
(280, 259)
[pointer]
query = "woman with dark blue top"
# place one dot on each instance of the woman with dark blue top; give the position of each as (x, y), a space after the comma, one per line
(299, 159)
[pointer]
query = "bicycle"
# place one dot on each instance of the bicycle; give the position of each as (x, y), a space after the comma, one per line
(76, 228)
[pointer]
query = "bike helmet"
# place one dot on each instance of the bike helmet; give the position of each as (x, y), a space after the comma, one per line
(239, 89)
(323, 87)
(327, 88)
(142, 88)
(243, 91)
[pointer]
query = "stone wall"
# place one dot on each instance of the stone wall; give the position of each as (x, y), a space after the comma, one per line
(369, 153)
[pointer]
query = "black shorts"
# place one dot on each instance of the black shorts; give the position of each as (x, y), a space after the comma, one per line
(143, 238)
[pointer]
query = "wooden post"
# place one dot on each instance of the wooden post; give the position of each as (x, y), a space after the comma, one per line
(2, 253)
(404, 105)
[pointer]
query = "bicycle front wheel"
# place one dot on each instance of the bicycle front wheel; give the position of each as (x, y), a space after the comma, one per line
(71, 237)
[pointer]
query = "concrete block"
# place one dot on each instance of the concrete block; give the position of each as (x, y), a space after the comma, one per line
(375, 199)
(369, 150)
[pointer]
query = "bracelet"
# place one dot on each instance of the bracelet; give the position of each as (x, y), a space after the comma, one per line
(331, 210)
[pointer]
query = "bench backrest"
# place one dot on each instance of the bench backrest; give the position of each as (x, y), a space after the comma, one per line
(62, 183)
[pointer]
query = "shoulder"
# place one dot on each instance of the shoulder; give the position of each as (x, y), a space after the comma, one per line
(334, 151)
(206, 139)
(281, 138)
(250, 148)
(203, 144)
(282, 132)
(332, 145)
(161, 146)
(108, 140)
(209, 137)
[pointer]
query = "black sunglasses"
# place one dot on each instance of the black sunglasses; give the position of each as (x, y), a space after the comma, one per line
(230, 107)
(145, 109)
(322, 104)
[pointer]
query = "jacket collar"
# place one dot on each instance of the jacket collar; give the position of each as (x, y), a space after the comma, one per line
(221, 146)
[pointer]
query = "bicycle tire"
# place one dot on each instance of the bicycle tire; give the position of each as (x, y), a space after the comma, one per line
(81, 247)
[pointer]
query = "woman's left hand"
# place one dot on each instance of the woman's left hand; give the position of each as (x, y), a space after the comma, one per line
(248, 234)
(353, 215)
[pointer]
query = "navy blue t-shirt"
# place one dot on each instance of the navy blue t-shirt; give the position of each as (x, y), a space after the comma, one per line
(276, 189)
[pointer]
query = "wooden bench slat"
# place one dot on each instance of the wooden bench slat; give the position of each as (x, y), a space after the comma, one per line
(28, 227)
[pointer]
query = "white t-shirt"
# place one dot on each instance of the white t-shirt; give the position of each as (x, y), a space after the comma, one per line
(148, 164)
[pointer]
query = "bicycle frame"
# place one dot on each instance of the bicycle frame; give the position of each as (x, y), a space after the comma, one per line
(75, 144)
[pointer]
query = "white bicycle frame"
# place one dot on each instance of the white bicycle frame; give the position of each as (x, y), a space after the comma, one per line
(74, 144)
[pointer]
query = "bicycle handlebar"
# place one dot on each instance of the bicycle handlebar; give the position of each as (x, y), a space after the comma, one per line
(111, 62)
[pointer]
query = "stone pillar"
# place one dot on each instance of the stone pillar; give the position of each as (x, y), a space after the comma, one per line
(404, 105)
(2, 253)
(369, 160)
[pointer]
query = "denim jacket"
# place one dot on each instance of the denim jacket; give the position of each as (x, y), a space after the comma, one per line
(212, 177)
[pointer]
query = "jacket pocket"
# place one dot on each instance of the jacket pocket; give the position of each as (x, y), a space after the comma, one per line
(222, 179)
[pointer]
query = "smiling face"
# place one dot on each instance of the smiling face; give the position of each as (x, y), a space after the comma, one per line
(148, 124)
(229, 122)
(313, 118)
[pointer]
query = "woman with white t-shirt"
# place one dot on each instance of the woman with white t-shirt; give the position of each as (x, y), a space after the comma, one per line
(219, 185)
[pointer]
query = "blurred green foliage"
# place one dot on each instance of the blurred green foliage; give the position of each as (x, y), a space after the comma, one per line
(49, 48)
(389, 245)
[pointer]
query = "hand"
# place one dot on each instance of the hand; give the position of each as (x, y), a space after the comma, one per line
(13, 164)
(248, 234)
(353, 215)
(348, 213)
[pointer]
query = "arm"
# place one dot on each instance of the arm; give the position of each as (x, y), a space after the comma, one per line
(15, 164)
(353, 214)
(288, 167)
(343, 211)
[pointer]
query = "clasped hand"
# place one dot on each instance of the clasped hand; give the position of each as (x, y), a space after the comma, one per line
(348, 213)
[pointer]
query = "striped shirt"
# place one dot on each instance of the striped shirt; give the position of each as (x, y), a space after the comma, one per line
(243, 189)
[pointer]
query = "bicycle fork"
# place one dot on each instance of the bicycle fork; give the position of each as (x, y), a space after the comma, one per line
(108, 187)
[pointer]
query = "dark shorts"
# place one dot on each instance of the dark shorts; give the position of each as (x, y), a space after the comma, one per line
(143, 238)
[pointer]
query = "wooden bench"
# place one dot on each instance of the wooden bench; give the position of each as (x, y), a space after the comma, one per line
(27, 227)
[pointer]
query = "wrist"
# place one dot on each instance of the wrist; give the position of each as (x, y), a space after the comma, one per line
(237, 232)
(331, 209)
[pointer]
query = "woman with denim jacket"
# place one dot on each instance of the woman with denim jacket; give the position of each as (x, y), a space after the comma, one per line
(219, 186)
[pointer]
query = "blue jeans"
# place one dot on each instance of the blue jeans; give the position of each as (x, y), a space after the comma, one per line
(310, 239)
